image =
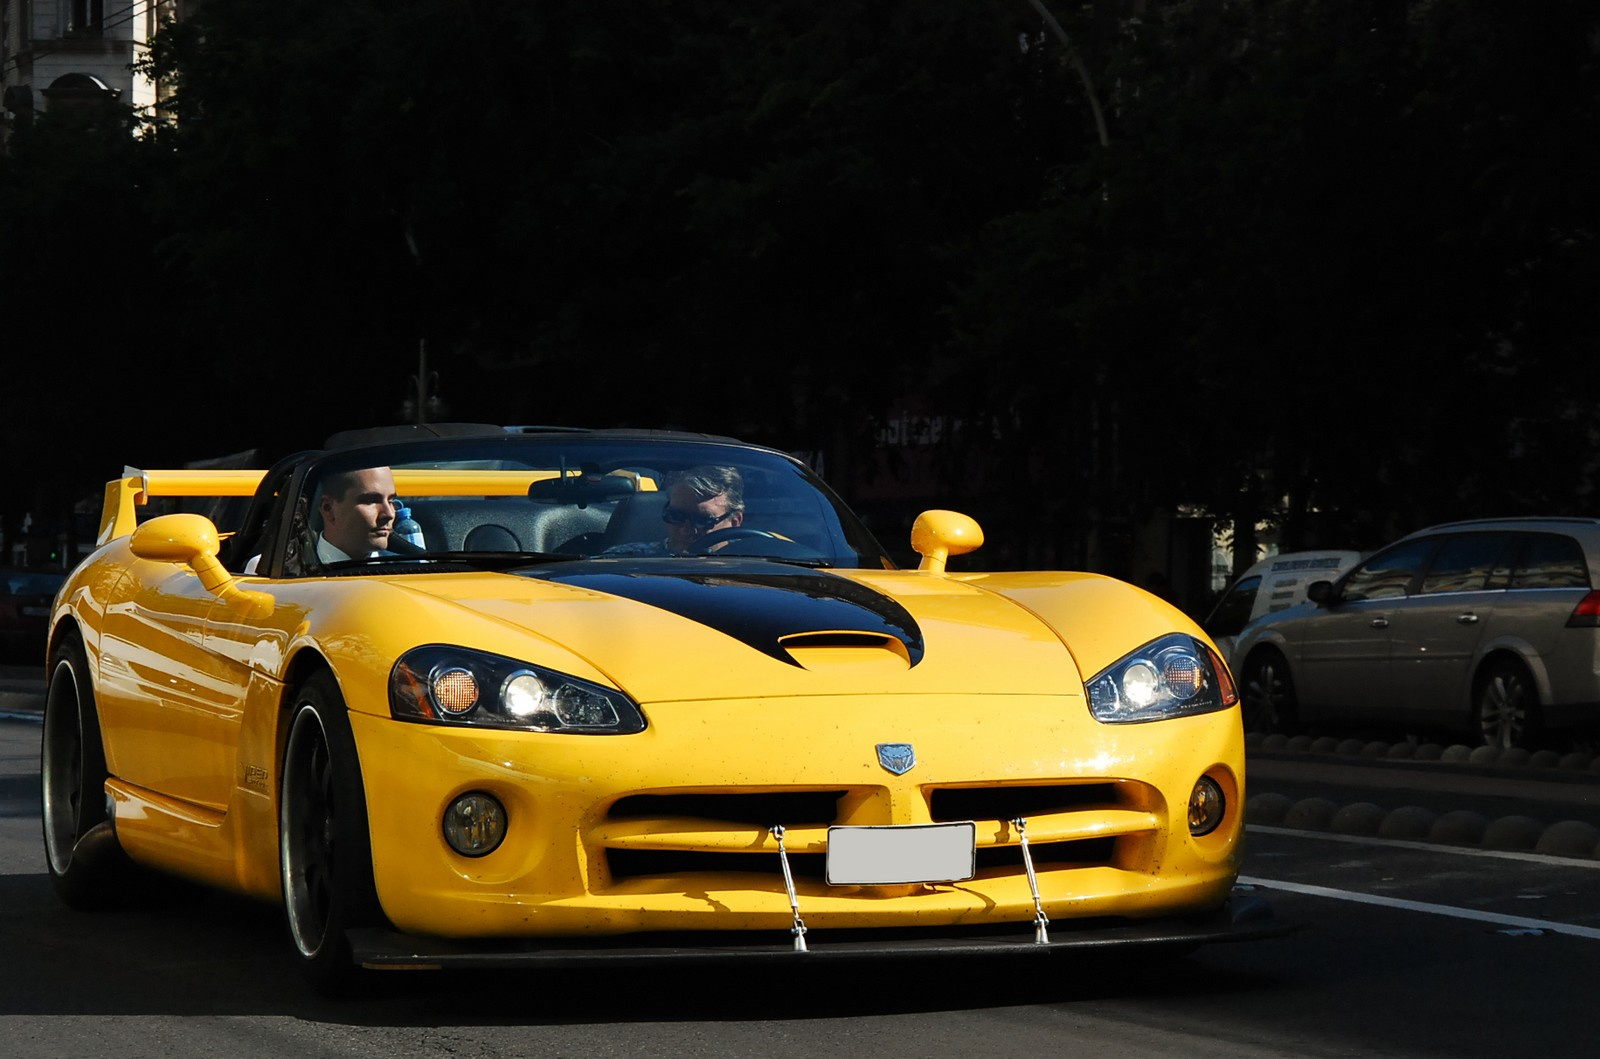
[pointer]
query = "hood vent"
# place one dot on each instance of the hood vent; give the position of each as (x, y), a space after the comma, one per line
(816, 650)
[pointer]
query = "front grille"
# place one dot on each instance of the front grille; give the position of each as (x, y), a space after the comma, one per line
(643, 863)
(1083, 852)
(663, 828)
(1008, 803)
(758, 809)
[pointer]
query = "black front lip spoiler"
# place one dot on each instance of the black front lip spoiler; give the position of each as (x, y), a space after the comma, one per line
(1244, 917)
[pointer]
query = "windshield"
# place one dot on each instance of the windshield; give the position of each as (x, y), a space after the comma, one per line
(572, 495)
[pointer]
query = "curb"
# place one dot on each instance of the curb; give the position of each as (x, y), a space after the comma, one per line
(1575, 839)
(1475, 760)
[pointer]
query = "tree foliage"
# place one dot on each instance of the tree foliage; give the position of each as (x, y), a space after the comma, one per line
(1333, 269)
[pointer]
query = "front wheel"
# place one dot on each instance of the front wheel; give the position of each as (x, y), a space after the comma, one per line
(325, 856)
(1268, 696)
(1507, 706)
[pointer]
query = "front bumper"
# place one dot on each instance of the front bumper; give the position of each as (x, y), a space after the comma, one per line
(1245, 916)
(670, 830)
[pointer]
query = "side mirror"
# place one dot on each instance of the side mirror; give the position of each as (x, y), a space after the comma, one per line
(175, 539)
(193, 540)
(1320, 592)
(937, 535)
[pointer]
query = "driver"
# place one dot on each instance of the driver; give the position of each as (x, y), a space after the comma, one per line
(700, 501)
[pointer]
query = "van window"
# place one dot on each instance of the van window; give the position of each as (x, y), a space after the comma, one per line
(1232, 611)
(1549, 560)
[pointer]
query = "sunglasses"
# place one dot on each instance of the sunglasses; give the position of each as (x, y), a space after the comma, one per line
(673, 517)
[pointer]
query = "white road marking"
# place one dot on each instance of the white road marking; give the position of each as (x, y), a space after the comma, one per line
(1518, 922)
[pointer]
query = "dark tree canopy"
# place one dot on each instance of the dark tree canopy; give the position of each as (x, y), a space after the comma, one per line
(1334, 267)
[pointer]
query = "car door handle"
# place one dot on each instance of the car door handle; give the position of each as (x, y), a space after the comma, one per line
(1466, 619)
(1380, 623)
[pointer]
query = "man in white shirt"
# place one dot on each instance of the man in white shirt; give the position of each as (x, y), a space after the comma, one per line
(358, 511)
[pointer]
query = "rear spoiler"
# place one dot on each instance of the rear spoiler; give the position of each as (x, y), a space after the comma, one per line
(125, 495)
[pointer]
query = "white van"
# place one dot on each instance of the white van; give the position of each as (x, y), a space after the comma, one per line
(1275, 583)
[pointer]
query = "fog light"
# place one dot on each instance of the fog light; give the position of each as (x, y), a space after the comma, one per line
(1206, 807)
(475, 824)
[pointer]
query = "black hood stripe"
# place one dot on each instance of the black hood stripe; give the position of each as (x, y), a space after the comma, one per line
(746, 599)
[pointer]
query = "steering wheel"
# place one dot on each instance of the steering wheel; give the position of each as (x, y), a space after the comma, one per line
(704, 545)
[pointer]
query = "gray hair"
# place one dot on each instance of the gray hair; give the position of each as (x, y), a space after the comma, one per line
(708, 481)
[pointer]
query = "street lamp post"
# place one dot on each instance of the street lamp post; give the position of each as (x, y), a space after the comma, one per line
(423, 402)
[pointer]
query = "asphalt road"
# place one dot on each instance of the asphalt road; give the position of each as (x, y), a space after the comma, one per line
(1407, 949)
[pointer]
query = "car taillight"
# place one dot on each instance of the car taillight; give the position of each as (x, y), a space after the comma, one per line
(1586, 615)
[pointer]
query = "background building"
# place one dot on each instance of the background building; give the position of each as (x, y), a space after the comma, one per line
(55, 53)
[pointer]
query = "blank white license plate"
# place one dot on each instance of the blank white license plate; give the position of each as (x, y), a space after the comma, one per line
(911, 853)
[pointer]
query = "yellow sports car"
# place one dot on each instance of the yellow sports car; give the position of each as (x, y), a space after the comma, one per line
(469, 696)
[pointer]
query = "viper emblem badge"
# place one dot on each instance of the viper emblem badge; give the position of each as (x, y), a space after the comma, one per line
(898, 758)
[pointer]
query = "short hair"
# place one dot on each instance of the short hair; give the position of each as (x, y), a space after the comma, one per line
(336, 485)
(708, 481)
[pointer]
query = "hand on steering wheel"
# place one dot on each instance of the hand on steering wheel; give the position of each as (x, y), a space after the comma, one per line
(715, 538)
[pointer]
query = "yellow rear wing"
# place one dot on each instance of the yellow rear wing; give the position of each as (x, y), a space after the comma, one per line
(125, 495)
(135, 489)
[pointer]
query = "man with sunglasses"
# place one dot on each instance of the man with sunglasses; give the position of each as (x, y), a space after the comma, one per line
(700, 501)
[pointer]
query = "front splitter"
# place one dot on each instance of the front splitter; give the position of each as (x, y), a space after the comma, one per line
(1244, 917)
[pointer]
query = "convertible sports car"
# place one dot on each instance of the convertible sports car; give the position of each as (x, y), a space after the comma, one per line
(546, 733)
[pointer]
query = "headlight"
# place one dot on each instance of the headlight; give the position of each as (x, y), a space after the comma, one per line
(455, 686)
(1174, 676)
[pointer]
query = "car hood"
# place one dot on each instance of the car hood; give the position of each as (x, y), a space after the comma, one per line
(711, 628)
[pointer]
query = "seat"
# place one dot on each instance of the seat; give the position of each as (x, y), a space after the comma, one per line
(637, 518)
(491, 537)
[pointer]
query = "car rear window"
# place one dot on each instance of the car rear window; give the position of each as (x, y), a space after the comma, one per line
(1549, 560)
(30, 584)
(1465, 562)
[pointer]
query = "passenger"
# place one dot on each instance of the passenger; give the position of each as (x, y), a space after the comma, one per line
(700, 501)
(358, 512)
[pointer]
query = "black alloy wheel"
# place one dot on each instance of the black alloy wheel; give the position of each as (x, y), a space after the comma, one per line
(325, 855)
(1507, 706)
(1267, 694)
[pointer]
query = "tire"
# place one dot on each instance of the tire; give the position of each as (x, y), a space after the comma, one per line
(325, 853)
(1267, 694)
(88, 868)
(1506, 706)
